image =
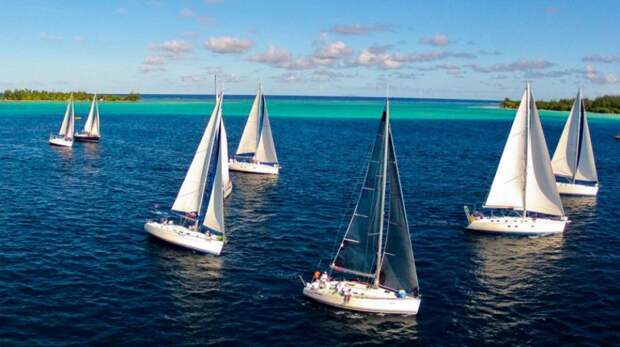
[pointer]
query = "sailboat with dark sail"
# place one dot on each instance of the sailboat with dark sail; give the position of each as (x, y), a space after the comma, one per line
(374, 268)
(573, 161)
(195, 230)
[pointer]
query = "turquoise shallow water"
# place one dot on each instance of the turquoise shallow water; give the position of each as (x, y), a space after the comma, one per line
(77, 268)
(304, 107)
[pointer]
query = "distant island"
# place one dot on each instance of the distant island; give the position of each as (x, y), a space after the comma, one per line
(43, 95)
(602, 104)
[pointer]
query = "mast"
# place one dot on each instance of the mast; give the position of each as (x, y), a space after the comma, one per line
(579, 137)
(382, 203)
(527, 143)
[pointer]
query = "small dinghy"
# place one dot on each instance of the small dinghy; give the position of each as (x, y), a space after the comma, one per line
(65, 134)
(257, 152)
(573, 161)
(91, 132)
(524, 185)
(188, 231)
(374, 268)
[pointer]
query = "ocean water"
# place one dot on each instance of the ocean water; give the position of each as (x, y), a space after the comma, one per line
(76, 266)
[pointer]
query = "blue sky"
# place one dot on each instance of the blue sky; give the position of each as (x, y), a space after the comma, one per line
(447, 49)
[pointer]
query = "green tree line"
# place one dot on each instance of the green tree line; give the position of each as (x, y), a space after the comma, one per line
(601, 104)
(30, 94)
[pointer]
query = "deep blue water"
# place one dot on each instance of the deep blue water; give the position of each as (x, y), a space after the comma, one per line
(76, 266)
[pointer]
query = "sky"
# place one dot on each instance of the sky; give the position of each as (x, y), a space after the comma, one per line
(435, 49)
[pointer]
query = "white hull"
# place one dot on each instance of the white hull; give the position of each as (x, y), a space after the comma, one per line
(258, 168)
(184, 237)
(60, 141)
(576, 189)
(363, 299)
(516, 225)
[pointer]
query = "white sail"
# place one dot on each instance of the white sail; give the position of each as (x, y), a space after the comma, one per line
(266, 150)
(67, 126)
(507, 188)
(94, 128)
(89, 120)
(564, 161)
(214, 218)
(249, 138)
(541, 191)
(224, 144)
(586, 170)
(189, 198)
(574, 157)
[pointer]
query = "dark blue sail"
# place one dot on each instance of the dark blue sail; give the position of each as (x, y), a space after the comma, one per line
(358, 251)
(398, 270)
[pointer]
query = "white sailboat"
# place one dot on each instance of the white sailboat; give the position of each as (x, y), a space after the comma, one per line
(375, 262)
(91, 132)
(208, 236)
(524, 184)
(257, 152)
(65, 134)
(573, 160)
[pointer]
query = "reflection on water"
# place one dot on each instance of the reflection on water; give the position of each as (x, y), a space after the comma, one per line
(91, 151)
(251, 192)
(66, 153)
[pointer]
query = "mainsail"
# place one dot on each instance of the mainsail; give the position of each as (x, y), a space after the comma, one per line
(574, 157)
(67, 126)
(257, 139)
(224, 149)
(91, 126)
(524, 180)
(189, 198)
(377, 245)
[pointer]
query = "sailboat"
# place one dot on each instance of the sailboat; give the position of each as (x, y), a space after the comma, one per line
(91, 132)
(524, 184)
(573, 160)
(257, 152)
(374, 268)
(202, 232)
(65, 134)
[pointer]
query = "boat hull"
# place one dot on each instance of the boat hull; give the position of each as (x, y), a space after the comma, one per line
(60, 141)
(516, 225)
(363, 299)
(184, 237)
(576, 189)
(86, 138)
(257, 168)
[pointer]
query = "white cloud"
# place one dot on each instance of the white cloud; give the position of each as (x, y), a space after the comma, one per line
(597, 58)
(172, 48)
(331, 53)
(153, 63)
(435, 40)
(357, 29)
(227, 45)
(595, 76)
(282, 58)
(519, 65)
(44, 35)
(186, 13)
